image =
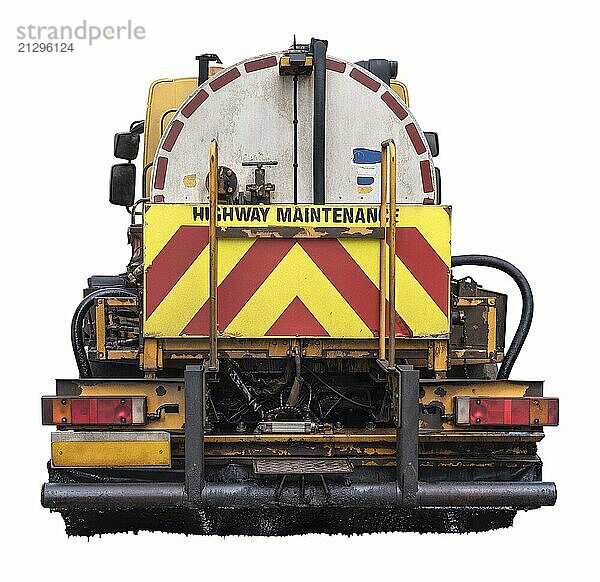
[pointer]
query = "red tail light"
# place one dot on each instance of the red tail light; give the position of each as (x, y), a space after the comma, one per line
(101, 411)
(527, 411)
(499, 411)
(94, 410)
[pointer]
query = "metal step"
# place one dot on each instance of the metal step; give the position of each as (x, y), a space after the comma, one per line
(301, 466)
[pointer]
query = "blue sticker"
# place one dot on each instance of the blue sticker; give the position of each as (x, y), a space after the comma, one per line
(365, 180)
(366, 156)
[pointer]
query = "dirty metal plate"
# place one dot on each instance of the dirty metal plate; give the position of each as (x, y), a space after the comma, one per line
(75, 449)
(280, 466)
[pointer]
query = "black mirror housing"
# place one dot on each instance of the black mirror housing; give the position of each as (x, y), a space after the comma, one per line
(433, 142)
(122, 184)
(127, 145)
(137, 127)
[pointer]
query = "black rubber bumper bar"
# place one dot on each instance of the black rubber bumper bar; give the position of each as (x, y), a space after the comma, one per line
(252, 495)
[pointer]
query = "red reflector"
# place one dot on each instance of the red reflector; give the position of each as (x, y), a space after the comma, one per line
(101, 411)
(499, 411)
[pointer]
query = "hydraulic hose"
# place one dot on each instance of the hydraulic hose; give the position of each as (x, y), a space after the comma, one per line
(527, 303)
(83, 363)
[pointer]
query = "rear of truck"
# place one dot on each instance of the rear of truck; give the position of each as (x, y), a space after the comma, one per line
(270, 364)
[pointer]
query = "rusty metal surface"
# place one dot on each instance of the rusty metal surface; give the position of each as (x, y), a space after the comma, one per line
(436, 402)
(300, 232)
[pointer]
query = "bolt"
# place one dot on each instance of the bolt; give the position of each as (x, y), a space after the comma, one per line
(477, 420)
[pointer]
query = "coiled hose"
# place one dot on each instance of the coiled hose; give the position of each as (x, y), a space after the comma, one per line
(83, 363)
(527, 303)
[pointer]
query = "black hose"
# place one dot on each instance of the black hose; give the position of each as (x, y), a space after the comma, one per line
(337, 393)
(527, 303)
(319, 50)
(83, 363)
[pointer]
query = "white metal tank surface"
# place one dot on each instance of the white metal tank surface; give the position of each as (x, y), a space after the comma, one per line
(248, 109)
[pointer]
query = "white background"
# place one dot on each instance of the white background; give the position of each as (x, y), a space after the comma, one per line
(512, 89)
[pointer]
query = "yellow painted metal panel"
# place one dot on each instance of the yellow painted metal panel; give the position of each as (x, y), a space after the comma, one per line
(401, 90)
(111, 453)
(422, 265)
(164, 98)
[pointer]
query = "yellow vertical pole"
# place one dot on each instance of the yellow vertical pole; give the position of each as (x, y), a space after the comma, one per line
(390, 160)
(382, 249)
(213, 201)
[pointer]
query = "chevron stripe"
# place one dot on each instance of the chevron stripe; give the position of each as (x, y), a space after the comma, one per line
(297, 276)
(350, 280)
(299, 319)
(424, 264)
(181, 304)
(172, 262)
(240, 284)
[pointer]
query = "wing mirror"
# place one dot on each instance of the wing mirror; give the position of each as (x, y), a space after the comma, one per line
(122, 184)
(127, 145)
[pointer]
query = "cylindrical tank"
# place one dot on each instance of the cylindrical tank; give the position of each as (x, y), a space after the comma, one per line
(249, 109)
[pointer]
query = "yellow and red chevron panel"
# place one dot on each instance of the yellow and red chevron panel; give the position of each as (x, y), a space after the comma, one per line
(293, 287)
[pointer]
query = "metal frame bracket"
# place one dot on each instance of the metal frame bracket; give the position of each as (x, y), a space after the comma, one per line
(195, 385)
(407, 435)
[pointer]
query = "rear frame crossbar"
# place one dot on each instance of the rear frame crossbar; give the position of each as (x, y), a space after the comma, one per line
(406, 492)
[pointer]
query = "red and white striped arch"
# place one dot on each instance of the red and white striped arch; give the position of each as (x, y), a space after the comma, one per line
(248, 109)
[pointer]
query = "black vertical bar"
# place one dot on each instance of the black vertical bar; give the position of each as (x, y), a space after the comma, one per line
(202, 69)
(194, 433)
(295, 123)
(319, 50)
(407, 435)
(203, 65)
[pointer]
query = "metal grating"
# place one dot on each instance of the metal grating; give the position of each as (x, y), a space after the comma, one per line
(296, 466)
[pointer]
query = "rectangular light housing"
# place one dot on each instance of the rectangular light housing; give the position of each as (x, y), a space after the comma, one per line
(494, 411)
(94, 410)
